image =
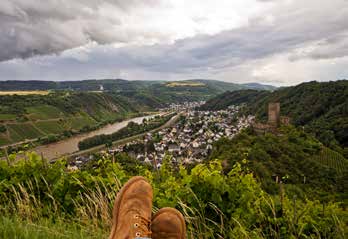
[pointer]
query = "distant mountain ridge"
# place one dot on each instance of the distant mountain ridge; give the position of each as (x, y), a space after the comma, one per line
(258, 86)
(122, 85)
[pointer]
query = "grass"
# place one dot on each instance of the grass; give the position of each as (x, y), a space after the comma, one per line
(43, 112)
(26, 214)
(14, 227)
(35, 92)
(23, 217)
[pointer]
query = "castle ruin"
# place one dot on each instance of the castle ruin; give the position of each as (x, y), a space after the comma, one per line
(274, 120)
(274, 114)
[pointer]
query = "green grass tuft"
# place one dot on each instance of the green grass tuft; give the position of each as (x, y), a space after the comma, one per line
(13, 227)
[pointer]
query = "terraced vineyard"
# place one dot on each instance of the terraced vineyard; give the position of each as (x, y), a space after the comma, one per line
(59, 114)
(43, 112)
(332, 159)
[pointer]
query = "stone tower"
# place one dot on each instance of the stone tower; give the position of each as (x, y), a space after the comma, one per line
(274, 114)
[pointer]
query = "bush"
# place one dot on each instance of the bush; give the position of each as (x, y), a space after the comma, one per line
(215, 205)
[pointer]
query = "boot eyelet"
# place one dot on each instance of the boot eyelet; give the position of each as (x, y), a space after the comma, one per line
(136, 225)
(136, 216)
(137, 234)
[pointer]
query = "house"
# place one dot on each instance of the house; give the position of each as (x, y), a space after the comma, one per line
(173, 148)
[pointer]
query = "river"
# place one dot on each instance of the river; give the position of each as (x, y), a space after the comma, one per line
(70, 145)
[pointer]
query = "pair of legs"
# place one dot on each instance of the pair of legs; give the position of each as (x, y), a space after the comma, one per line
(132, 215)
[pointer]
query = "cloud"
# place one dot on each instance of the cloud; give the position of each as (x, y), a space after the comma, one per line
(178, 39)
(291, 33)
(335, 46)
(30, 28)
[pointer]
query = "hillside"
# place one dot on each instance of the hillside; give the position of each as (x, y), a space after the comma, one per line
(305, 167)
(64, 113)
(233, 98)
(321, 107)
(190, 90)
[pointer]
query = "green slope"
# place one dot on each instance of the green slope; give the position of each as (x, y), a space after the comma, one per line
(36, 116)
(321, 107)
(306, 167)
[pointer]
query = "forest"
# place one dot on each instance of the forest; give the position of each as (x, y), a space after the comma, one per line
(302, 163)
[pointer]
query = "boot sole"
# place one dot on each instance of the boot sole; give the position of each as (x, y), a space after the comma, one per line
(176, 212)
(118, 202)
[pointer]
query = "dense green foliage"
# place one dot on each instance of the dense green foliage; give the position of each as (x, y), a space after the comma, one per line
(130, 130)
(294, 157)
(321, 107)
(215, 205)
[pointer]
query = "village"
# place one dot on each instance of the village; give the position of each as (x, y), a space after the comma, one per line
(190, 140)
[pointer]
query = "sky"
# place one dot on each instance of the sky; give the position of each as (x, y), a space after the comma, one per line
(278, 42)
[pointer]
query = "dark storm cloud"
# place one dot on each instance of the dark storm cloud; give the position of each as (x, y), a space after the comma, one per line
(29, 27)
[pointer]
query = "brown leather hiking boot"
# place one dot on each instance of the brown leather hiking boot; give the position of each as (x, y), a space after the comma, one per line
(132, 210)
(168, 223)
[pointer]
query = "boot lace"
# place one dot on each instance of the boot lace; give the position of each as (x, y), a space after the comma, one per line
(142, 226)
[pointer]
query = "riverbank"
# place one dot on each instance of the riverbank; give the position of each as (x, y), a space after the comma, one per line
(169, 123)
(28, 144)
(70, 145)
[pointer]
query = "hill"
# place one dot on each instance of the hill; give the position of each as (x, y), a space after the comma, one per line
(321, 107)
(302, 163)
(64, 113)
(233, 98)
(258, 86)
(120, 85)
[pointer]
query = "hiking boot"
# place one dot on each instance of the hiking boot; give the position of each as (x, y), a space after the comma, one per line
(168, 223)
(132, 210)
